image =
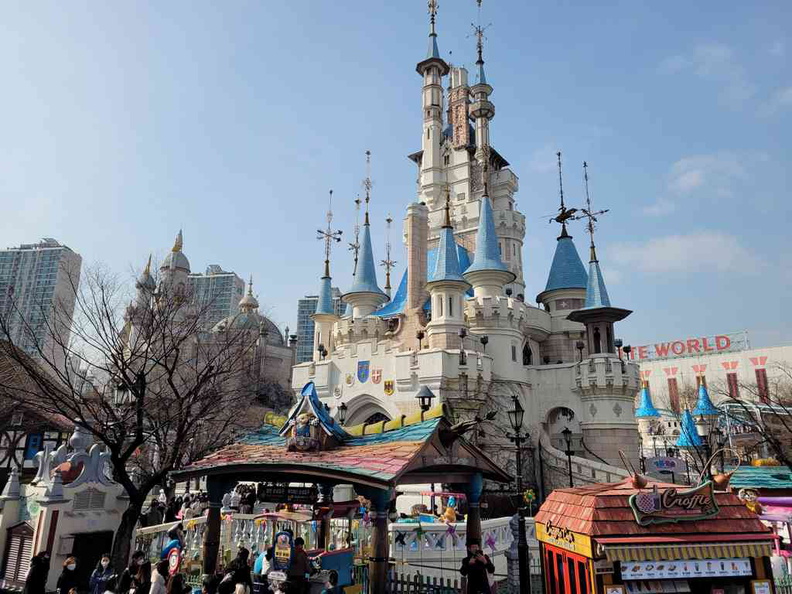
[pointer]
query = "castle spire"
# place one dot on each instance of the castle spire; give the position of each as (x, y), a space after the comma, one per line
(488, 274)
(324, 305)
(596, 292)
(179, 243)
(387, 262)
(365, 294)
(481, 110)
(646, 407)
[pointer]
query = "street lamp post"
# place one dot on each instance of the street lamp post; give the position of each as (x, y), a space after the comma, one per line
(424, 398)
(516, 416)
(342, 413)
(568, 441)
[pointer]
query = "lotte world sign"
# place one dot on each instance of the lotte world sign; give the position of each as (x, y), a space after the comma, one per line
(690, 347)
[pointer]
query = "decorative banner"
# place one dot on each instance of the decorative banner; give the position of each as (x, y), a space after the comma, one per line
(376, 375)
(672, 505)
(363, 371)
(389, 387)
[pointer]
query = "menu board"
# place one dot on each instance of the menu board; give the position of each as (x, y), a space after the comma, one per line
(692, 568)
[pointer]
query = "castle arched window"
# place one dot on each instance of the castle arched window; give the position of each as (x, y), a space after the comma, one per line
(597, 341)
(527, 354)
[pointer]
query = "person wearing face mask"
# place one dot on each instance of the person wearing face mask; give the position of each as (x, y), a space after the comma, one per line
(100, 575)
(68, 577)
(126, 582)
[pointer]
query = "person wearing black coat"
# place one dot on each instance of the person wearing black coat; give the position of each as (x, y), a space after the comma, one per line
(68, 578)
(36, 580)
(127, 580)
(100, 576)
(477, 567)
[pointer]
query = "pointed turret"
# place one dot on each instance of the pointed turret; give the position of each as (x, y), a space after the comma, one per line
(249, 303)
(446, 287)
(433, 58)
(325, 316)
(481, 110)
(488, 274)
(688, 435)
(646, 408)
(597, 313)
(704, 406)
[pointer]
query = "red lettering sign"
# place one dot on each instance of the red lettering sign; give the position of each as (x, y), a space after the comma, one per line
(678, 347)
(643, 352)
(693, 345)
(722, 342)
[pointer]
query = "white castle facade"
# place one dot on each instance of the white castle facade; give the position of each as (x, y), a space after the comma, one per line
(481, 344)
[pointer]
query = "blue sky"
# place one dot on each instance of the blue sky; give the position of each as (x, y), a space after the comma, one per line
(121, 122)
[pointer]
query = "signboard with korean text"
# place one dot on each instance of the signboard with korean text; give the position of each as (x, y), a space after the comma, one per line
(661, 506)
(282, 493)
(564, 538)
(690, 347)
(665, 465)
(690, 568)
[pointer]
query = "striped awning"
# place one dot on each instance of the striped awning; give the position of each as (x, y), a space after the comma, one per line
(669, 552)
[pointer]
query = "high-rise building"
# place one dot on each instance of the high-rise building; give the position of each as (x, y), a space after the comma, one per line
(306, 307)
(218, 290)
(38, 289)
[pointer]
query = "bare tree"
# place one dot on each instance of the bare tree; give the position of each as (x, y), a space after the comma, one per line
(167, 392)
(763, 412)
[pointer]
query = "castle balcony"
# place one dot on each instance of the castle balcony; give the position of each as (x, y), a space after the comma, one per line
(504, 178)
(507, 312)
(607, 374)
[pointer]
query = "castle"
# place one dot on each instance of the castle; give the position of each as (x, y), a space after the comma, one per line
(458, 322)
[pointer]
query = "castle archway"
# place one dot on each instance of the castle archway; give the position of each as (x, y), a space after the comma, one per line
(365, 409)
(558, 419)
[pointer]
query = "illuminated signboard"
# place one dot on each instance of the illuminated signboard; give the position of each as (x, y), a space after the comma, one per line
(661, 506)
(690, 347)
(691, 568)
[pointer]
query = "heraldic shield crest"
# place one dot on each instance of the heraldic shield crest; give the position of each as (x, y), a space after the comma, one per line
(388, 385)
(376, 375)
(363, 371)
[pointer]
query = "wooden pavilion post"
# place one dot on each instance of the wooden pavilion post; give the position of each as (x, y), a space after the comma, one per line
(473, 489)
(325, 500)
(211, 541)
(380, 537)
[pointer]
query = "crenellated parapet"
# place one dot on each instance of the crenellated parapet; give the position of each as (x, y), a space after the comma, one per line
(348, 330)
(605, 374)
(491, 313)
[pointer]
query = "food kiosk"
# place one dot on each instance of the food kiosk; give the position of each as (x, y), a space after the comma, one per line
(649, 537)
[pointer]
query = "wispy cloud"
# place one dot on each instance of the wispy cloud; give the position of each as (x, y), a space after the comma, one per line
(706, 176)
(685, 254)
(717, 63)
(780, 100)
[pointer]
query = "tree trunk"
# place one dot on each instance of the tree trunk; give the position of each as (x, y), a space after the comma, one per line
(122, 543)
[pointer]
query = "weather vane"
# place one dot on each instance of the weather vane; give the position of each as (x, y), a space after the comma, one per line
(387, 262)
(564, 214)
(329, 235)
(433, 6)
(367, 185)
(590, 214)
(355, 245)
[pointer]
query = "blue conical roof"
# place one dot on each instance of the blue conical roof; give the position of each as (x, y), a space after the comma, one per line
(433, 52)
(567, 270)
(596, 293)
(366, 274)
(325, 303)
(704, 406)
(646, 407)
(688, 436)
(447, 266)
(487, 255)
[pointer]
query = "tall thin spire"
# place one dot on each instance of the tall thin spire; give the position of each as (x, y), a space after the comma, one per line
(179, 243)
(447, 222)
(387, 262)
(590, 215)
(147, 269)
(478, 32)
(367, 185)
(324, 305)
(355, 245)
(434, 52)
(328, 235)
